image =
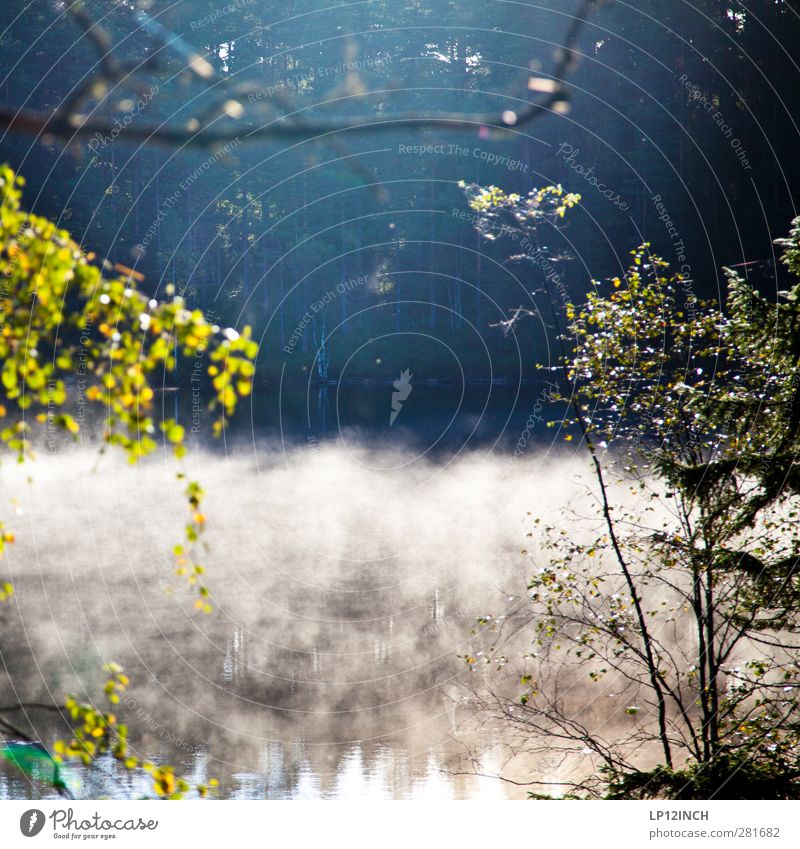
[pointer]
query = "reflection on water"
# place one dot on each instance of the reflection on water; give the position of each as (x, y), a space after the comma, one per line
(379, 772)
(345, 588)
(236, 663)
(284, 771)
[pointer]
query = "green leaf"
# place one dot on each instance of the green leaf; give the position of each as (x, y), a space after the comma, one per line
(175, 433)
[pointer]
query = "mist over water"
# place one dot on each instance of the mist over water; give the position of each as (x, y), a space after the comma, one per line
(410, 229)
(346, 582)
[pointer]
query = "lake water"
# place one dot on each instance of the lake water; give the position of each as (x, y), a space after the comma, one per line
(347, 572)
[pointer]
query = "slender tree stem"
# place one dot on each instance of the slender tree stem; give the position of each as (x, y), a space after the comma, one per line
(652, 667)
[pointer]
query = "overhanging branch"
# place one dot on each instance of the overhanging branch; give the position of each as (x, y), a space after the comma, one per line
(69, 124)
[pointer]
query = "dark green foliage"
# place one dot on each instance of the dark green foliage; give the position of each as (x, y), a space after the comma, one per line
(724, 778)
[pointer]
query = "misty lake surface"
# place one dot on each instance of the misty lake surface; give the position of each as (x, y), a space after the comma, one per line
(347, 572)
(436, 418)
